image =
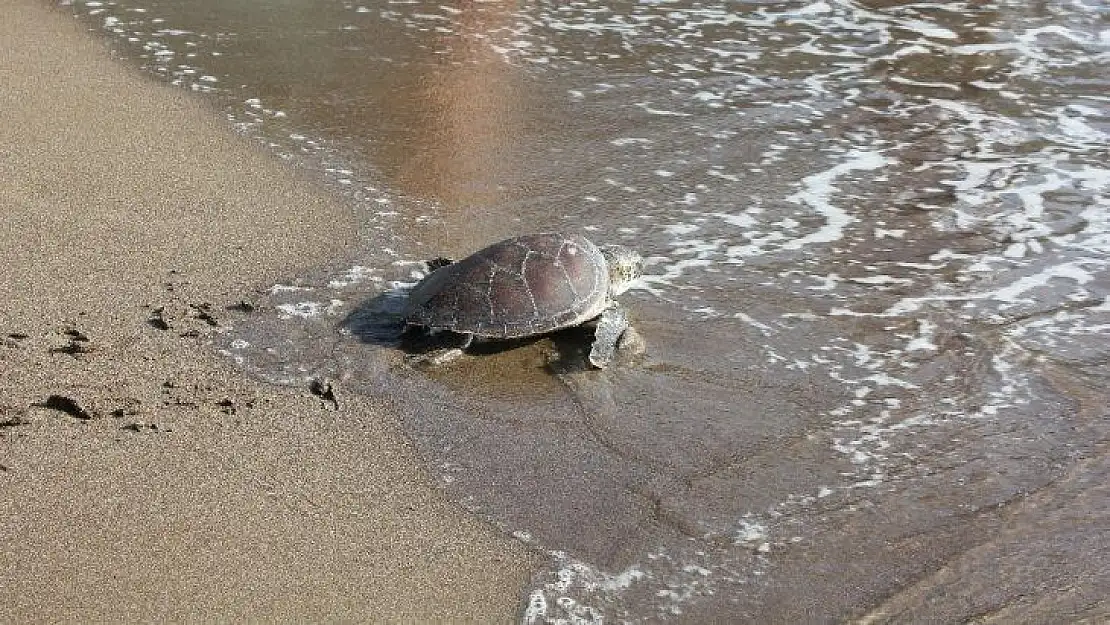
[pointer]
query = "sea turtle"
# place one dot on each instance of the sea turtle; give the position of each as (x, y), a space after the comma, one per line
(530, 285)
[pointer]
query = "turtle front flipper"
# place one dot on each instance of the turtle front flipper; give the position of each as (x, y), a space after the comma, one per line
(610, 326)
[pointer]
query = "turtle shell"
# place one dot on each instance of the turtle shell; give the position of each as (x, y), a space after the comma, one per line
(521, 286)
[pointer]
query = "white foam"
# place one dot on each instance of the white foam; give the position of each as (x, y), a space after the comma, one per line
(355, 275)
(308, 309)
(750, 532)
(287, 288)
(818, 189)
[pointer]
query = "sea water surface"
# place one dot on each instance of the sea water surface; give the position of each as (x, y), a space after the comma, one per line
(875, 310)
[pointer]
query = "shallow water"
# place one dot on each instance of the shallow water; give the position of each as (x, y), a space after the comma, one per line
(875, 311)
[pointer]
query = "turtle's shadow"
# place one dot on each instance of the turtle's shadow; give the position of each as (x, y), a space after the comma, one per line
(380, 321)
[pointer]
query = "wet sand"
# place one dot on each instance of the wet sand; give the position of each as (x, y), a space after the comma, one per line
(141, 476)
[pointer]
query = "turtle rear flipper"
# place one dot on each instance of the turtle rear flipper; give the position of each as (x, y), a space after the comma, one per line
(438, 262)
(442, 355)
(610, 326)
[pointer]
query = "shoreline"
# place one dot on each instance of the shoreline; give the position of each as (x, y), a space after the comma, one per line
(142, 477)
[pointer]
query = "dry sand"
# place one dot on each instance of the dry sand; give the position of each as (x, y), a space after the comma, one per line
(142, 477)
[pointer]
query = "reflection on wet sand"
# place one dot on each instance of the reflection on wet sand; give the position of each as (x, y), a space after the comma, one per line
(465, 114)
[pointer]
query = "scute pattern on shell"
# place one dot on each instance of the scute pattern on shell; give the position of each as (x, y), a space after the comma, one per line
(522, 286)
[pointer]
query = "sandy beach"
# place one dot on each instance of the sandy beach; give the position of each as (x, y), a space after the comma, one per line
(142, 477)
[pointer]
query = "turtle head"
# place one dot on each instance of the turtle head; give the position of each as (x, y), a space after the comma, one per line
(625, 265)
